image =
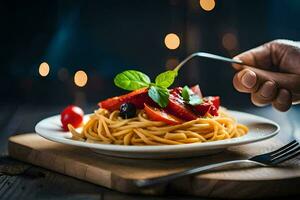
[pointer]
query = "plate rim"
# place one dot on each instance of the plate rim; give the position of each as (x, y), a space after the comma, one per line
(160, 148)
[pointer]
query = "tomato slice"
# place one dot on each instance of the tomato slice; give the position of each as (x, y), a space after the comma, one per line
(211, 105)
(213, 111)
(215, 100)
(157, 114)
(177, 107)
(176, 92)
(137, 97)
(202, 109)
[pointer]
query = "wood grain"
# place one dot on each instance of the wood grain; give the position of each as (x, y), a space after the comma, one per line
(119, 173)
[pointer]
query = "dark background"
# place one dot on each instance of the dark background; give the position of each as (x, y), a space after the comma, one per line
(104, 38)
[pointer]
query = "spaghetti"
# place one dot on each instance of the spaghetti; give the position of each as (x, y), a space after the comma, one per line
(108, 128)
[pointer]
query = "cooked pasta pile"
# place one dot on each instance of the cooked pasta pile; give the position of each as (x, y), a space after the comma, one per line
(109, 128)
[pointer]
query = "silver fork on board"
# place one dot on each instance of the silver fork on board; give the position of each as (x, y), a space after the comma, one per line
(273, 158)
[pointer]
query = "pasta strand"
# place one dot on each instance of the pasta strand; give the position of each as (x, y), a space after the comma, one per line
(109, 128)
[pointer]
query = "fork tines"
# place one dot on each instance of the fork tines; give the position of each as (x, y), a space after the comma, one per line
(280, 155)
(287, 152)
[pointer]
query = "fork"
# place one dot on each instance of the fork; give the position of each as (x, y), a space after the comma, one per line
(210, 56)
(273, 158)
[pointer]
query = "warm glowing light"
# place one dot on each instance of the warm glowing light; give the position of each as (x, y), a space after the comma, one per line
(80, 78)
(44, 69)
(229, 41)
(207, 5)
(172, 41)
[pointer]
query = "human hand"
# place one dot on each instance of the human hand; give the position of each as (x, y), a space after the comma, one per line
(271, 74)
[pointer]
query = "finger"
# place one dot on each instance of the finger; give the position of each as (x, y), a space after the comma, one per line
(287, 81)
(265, 95)
(249, 80)
(283, 100)
(245, 81)
(272, 56)
(259, 57)
(286, 55)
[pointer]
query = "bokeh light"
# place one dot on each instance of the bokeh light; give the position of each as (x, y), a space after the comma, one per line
(44, 69)
(172, 41)
(207, 5)
(80, 78)
(229, 41)
(172, 63)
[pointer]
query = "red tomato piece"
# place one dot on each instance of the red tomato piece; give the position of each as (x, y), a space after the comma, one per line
(213, 111)
(177, 107)
(137, 97)
(211, 105)
(71, 115)
(215, 100)
(176, 92)
(157, 114)
(202, 109)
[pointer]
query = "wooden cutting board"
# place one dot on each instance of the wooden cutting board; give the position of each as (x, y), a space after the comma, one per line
(119, 173)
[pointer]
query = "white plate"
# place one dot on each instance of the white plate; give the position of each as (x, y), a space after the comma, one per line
(259, 129)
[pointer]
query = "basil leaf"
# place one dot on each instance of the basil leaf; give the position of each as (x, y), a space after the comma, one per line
(160, 95)
(195, 100)
(131, 80)
(185, 93)
(166, 79)
(190, 97)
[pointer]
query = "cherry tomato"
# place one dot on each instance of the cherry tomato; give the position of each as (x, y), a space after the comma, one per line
(71, 115)
(157, 114)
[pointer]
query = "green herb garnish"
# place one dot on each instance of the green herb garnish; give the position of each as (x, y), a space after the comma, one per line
(132, 80)
(190, 97)
(160, 95)
(166, 79)
(158, 91)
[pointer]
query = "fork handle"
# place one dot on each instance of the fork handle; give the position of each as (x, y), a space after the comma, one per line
(189, 172)
(210, 56)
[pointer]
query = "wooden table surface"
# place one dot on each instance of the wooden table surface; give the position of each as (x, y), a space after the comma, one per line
(23, 181)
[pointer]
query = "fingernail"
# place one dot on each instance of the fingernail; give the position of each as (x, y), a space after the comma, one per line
(267, 89)
(248, 79)
(237, 58)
